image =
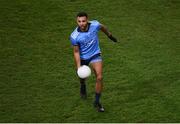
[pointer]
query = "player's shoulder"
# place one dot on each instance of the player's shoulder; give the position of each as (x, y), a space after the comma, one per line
(74, 34)
(94, 22)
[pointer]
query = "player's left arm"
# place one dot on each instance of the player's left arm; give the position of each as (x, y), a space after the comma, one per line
(108, 33)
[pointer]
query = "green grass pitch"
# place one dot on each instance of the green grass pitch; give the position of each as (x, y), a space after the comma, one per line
(38, 81)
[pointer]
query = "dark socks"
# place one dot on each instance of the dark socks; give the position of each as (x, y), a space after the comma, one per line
(83, 88)
(97, 97)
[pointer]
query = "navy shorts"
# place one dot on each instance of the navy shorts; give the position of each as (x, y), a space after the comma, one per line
(95, 58)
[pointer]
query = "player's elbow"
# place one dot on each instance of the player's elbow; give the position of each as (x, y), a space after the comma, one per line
(76, 49)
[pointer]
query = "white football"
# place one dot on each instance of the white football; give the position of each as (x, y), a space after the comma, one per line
(84, 71)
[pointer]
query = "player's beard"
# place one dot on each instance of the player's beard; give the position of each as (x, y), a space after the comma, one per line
(84, 27)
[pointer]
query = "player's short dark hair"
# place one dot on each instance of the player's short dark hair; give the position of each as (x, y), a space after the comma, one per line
(81, 14)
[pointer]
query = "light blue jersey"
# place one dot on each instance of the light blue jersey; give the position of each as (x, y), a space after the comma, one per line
(88, 42)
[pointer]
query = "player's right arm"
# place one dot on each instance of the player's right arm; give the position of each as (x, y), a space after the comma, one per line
(76, 56)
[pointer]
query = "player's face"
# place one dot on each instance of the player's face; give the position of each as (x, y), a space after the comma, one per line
(82, 22)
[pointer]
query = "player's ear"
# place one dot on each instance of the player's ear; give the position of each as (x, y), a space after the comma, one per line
(76, 20)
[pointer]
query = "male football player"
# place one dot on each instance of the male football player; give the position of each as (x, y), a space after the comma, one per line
(86, 51)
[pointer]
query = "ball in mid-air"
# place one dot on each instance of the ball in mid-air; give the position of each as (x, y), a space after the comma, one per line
(84, 71)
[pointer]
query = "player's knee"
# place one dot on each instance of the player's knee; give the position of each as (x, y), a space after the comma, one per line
(99, 78)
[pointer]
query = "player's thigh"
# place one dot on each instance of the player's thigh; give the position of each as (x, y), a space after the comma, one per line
(97, 68)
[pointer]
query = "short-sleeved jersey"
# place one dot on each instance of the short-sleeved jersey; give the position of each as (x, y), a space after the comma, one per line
(88, 41)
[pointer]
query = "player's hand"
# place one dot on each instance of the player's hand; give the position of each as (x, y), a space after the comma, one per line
(112, 38)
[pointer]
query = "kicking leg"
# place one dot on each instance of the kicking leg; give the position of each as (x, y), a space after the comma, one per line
(97, 67)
